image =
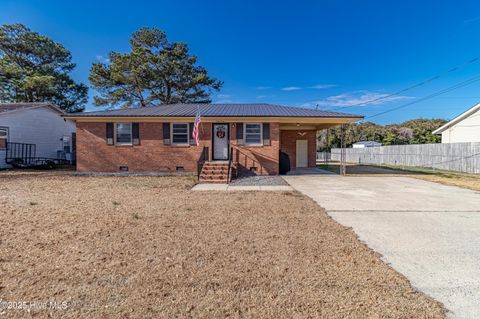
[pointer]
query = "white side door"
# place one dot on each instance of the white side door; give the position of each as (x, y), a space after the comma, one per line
(302, 153)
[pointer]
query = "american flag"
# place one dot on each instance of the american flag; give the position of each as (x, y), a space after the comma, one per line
(196, 126)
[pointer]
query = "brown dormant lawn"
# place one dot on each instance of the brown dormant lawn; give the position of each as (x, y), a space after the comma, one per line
(147, 247)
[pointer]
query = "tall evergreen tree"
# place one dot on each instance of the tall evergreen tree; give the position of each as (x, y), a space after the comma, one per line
(34, 68)
(155, 72)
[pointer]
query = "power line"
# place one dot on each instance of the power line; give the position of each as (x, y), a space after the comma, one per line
(449, 89)
(413, 86)
(460, 97)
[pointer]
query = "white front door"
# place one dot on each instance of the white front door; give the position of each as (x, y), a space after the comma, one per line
(302, 153)
(220, 141)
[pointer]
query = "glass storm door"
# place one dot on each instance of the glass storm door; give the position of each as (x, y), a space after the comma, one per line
(220, 141)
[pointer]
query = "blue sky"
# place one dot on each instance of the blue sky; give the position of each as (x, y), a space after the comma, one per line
(302, 53)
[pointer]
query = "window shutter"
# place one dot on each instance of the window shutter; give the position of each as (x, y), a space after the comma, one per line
(239, 127)
(166, 133)
(135, 134)
(190, 129)
(109, 133)
(266, 133)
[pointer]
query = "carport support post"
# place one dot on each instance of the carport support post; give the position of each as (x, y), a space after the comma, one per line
(343, 151)
(326, 147)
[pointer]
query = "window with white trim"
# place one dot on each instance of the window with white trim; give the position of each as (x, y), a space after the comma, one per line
(123, 133)
(3, 137)
(252, 133)
(180, 133)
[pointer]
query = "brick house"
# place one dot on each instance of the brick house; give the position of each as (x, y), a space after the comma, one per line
(258, 138)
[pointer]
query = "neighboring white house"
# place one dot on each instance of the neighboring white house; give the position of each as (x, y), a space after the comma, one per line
(363, 144)
(41, 124)
(463, 128)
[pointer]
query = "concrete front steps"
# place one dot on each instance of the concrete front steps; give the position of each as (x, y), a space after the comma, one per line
(214, 172)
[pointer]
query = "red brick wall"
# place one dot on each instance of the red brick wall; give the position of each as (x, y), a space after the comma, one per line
(265, 157)
(288, 144)
(94, 155)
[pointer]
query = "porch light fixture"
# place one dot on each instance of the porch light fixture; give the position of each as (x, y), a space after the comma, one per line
(298, 124)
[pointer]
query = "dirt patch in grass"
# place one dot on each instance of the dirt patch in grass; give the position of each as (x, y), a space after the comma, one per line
(470, 182)
(146, 247)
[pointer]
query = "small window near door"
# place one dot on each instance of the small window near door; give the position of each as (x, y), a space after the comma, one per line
(180, 133)
(123, 134)
(3, 138)
(253, 133)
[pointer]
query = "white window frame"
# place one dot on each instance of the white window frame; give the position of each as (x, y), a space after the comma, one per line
(188, 133)
(116, 133)
(3, 128)
(245, 135)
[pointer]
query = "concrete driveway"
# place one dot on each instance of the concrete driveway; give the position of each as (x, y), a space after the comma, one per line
(428, 232)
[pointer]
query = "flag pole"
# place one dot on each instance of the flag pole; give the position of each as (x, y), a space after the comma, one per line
(198, 111)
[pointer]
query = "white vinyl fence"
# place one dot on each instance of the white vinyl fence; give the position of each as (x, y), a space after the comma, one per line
(460, 157)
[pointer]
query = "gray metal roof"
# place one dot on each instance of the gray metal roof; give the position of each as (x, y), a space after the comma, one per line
(218, 110)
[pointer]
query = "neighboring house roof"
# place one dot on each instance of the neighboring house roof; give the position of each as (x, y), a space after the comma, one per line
(218, 110)
(12, 107)
(368, 143)
(457, 119)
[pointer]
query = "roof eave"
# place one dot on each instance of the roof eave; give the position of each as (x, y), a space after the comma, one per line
(53, 107)
(457, 119)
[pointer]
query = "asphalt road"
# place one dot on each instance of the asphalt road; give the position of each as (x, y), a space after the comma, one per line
(427, 231)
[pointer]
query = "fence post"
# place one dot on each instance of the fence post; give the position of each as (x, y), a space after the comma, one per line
(326, 146)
